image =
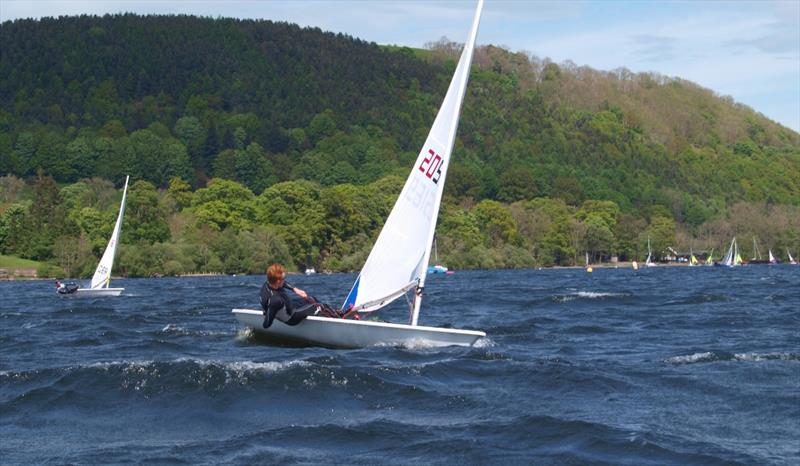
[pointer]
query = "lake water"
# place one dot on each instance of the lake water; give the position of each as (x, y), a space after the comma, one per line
(661, 366)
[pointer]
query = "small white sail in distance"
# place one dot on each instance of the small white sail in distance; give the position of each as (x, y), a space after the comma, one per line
(730, 256)
(398, 261)
(102, 275)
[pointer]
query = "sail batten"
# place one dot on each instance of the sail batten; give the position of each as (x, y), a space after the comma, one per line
(102, 275)
(386, 300)
(402, 251)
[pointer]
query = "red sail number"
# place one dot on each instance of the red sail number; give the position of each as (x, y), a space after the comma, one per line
(431, 166)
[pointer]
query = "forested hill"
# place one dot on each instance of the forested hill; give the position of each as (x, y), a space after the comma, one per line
(67, 85)
(260, 103)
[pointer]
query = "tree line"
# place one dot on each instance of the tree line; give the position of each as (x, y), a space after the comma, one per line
(226, 228)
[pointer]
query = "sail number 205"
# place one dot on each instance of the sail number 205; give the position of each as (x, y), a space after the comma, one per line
(431, 166)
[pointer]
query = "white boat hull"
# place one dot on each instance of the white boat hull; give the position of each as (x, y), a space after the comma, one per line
(347, 333)
(89, 292)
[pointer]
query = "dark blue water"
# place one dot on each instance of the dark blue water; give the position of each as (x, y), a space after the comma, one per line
(664, 366)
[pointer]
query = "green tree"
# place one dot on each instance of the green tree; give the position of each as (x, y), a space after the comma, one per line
(516, 184)
(661, 232)
(46, 220)
(193, 135)
(599, 236)
(12, 229)
(144, 221)
(180, 190)
(298, 216)
(253, 168)
(224, 204)
(321, 126)
(497, 223)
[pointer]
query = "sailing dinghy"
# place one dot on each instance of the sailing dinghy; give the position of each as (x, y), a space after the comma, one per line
(649, 261)
(398, 261)
(732, 257)
(102, 275)
(437, 267)
(772, 259)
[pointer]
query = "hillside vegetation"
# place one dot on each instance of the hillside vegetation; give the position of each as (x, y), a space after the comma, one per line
(252, 141)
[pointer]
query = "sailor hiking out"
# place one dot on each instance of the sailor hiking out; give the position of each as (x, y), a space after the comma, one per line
(66, 288)
(277, 304)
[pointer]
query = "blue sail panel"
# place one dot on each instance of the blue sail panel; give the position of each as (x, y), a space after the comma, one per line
(351, 297)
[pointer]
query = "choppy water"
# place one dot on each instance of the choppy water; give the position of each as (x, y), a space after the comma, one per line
(664, 366)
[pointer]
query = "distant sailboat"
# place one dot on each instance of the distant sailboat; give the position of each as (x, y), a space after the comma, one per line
(791, 259)
(102, 275)
(732, 257)
(757, 259)
(772, 259)
(756, 252)
(649, 262)
(588, 267)
(692, 259)
(436, 268)
(710, 259)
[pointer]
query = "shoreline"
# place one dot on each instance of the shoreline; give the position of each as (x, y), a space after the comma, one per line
(604, 265)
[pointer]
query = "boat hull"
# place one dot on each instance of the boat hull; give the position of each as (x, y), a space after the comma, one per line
(347, 333)
(89, 292)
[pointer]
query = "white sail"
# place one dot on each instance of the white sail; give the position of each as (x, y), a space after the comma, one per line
(756, 252)
(102, 275)
(399, 258)
(649, 261)
(730, 257)
(791, 259)
(772, 259)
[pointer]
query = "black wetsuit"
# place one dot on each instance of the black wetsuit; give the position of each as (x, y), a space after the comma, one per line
(277, 305)
(67, 288)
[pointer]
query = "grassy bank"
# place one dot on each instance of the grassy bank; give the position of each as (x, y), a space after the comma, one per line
(13, 262)
(43, 269)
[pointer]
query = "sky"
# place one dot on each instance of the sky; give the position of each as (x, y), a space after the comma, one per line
(749, 50)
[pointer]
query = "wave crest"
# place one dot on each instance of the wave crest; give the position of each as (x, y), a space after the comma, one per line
(713, 356)
(589, 295)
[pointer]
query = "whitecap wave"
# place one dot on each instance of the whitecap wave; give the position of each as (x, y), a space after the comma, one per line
(234, 366)
(485, 342)
(598, 294)
(173, 329)
(767, 356)
(177, 330)
(588, 295)
(711, 356)
(691, 358)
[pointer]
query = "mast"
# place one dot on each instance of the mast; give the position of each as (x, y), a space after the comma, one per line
(462, 76)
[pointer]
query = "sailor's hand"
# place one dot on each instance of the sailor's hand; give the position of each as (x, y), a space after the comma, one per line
(301, 293)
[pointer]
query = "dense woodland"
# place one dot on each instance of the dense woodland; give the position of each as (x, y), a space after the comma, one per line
(251, 141)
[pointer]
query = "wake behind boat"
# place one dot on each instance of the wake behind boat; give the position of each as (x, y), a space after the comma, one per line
(398, 262)
(102, 275)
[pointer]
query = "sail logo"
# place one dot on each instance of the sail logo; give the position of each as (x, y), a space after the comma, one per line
(431, 166)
